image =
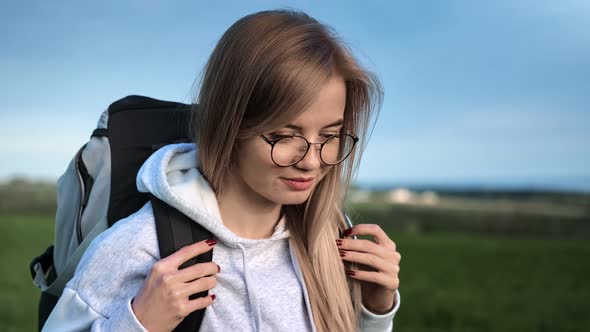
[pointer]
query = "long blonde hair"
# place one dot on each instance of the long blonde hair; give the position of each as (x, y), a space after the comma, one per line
(264, 71)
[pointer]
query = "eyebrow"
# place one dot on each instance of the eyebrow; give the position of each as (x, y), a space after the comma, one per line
(338, 122)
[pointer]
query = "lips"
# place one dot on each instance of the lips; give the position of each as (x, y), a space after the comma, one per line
(299, 179)
(299, 183)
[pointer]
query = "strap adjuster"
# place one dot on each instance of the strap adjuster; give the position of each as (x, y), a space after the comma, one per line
(45, 260)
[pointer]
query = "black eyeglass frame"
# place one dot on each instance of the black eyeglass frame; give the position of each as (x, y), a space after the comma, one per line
(274, 142)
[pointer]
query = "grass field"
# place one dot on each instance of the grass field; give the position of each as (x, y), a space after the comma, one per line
(21, 238)
(449, 282)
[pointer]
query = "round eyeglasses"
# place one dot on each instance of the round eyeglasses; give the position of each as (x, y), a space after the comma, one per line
(291, 149)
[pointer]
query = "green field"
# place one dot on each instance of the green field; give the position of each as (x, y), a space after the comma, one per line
(448, 282)
(21, 238)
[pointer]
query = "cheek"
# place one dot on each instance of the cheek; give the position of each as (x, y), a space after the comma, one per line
(257, 168)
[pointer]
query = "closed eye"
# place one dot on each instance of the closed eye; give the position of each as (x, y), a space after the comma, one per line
(277, 136)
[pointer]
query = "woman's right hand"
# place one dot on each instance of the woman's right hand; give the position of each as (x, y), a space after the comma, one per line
(163, 301)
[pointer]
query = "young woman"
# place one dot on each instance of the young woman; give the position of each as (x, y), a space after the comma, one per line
(283, 106)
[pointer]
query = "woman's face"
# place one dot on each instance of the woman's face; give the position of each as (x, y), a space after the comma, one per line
(258, 175)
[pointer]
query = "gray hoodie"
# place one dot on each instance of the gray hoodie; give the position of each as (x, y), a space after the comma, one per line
(260, 286)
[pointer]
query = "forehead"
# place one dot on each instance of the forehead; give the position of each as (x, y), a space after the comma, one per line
(327, 108)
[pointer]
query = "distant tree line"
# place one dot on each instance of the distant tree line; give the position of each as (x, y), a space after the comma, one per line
(411, 219)
(28, 197)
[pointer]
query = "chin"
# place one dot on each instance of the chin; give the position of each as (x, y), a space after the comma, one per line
(294, 198)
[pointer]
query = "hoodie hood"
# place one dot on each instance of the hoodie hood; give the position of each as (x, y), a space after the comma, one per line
(171, 174)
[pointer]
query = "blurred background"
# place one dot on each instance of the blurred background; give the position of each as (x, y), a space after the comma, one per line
(478, 166)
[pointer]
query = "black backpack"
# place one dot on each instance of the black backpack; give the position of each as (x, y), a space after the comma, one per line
(99, 188)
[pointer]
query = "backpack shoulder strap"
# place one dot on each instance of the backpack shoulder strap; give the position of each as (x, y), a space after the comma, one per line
(175, 230)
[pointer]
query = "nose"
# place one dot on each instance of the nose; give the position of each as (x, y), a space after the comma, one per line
(312, 159)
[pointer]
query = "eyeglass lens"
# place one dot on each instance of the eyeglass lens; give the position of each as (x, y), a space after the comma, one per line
(290, 150)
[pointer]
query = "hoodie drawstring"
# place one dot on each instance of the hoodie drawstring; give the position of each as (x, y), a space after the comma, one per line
(251, 295)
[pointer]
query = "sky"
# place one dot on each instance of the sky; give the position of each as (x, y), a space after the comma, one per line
(493, 93)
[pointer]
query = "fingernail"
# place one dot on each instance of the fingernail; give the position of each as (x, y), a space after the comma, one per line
(211, 242)
(342, 253)
(213, 297)
(347, 232)
(218, 268)
(350, 273)
(338, 242)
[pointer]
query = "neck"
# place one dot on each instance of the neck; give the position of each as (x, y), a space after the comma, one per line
(247, 214)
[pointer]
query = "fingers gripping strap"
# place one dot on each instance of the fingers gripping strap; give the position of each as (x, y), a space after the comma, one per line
(175, 230)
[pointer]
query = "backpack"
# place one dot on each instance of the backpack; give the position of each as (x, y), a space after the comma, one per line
(98, 188)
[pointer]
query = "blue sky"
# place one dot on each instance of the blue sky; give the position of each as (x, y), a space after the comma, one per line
(490, 92)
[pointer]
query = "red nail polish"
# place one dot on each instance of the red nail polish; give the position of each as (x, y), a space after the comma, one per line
(350, 273)
(347, 232)
(211, 242)
(342, 253)
(213, 296)
(339, 242)
(218, 268)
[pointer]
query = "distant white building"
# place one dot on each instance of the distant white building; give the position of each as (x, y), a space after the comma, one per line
(406, 196)
(400, 196)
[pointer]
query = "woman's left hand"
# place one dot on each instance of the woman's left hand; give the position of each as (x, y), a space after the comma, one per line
(381, 260)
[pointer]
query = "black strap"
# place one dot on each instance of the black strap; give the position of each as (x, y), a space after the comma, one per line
(175, 230)
(46, 304)
(99, 132)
